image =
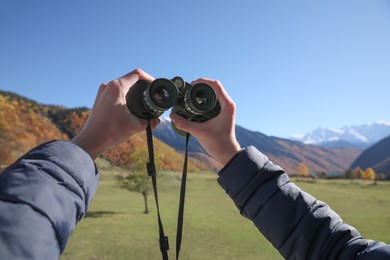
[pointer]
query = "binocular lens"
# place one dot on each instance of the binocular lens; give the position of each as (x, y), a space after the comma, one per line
(161, 95)
(201, 98)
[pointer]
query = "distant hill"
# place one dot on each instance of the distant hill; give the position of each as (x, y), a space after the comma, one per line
(362, 136)
(165, 133)
(25, 123)
(286, 153)
(289, 154)
(376, 157)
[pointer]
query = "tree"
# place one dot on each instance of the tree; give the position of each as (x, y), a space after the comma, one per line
(137, 182)
(369, 174)
(351, 174)
(302, 170)
(357, 173)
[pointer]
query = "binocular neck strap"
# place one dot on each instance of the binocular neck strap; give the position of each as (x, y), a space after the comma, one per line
(151, 168)
(182, 200)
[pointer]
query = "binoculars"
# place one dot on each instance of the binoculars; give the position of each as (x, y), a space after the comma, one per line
(149, 100)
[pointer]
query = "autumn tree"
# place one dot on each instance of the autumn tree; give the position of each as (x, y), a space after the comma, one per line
(369, 174)
(137, 179)
(303, 170)
(352, 175)
(357, 173)
(139, 183)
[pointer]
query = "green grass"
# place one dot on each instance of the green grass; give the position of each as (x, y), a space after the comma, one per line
(116, 228)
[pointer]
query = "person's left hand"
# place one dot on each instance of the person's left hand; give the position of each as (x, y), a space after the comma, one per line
(110, 122)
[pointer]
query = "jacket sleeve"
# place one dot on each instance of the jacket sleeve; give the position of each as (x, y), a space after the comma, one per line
(42, 197)
(298, 225)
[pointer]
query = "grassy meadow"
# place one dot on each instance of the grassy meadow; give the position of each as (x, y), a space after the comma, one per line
(116, 228)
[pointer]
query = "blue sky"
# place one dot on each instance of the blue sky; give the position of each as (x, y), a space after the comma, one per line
(290, 66)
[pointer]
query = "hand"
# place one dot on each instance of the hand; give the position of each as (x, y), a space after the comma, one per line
(110, 122)
(217, 135)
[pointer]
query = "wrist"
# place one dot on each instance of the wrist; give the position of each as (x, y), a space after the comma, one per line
(228, 153)
(89, 146)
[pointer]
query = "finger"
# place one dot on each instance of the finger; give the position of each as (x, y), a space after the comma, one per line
(144, 75)
(154, 123)
(222, 96)
(132, 77)
(102, 88)
(185, 125)
(100, 94)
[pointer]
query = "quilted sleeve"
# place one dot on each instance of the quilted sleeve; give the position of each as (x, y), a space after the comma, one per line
(296, 223)
(42, 197)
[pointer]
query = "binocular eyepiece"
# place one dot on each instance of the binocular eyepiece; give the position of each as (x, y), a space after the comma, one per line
(149, 100)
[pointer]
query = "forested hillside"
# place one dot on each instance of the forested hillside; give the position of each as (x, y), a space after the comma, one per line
(25, 123)
(376, 157)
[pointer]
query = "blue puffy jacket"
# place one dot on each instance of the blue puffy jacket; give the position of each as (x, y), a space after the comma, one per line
(297, 224)
(42, 197)
(47, 191)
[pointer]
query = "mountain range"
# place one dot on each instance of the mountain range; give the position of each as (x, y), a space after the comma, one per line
(25, 123)
(362, 136)
(286, 153)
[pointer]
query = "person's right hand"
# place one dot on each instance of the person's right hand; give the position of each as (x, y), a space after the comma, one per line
(217, 135)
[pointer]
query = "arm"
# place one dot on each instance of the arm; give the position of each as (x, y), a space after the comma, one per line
(42, 197)
(297, 224)
(47, 191)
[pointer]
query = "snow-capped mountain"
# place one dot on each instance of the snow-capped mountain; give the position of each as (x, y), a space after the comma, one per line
(361, 136)
(284, 152)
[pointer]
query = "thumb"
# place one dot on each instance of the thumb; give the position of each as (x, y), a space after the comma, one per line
(183, 124)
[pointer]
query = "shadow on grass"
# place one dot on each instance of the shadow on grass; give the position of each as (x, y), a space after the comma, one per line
(99, 214)
(105, 213)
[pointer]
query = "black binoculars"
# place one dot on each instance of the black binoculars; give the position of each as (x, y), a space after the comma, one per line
(149, 100)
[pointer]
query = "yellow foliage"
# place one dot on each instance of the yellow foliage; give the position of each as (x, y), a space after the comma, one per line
(302, 170)
(369, 174)
(22, 127)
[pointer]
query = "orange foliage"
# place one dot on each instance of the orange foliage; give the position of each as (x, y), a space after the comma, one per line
(24, 124)
(22, 128)
(134, 154)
